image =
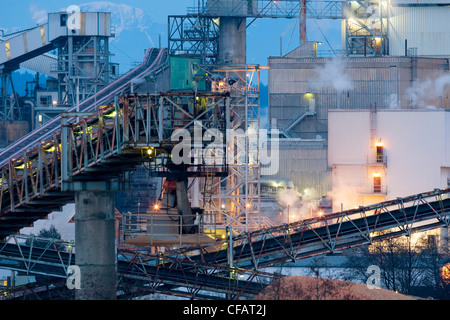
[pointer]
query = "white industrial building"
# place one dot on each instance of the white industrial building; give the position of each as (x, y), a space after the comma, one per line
(379, 155)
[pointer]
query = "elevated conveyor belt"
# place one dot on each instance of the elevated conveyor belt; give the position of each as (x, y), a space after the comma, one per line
(135, 270)
(41, 171)
(185, 269)
(337, 231)
(154, 59)
(24, 46)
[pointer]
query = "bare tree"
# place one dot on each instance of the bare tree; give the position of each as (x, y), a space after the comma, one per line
(409, 265)
(436, 262)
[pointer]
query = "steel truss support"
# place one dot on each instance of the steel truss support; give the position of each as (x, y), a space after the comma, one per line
(194, 35)
(9, 100)
(207, 271)
(97, 150)
(138, 273)
(181, 276)
(269, 9)
(337, 231)
(197, 33)
(34, 255)
(83, 68)
(236, 200)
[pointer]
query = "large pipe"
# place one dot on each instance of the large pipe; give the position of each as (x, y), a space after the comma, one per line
(303, 37)
(232, 40)
(33, 120)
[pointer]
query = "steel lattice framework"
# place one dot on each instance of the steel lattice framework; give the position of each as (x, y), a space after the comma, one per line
(98, 149)
(197, 32)
(232, 269)
(138, 273)
(366, 28)
(337, 231)
(235, 198)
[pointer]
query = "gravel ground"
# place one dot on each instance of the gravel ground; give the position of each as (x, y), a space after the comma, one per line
(311, 288)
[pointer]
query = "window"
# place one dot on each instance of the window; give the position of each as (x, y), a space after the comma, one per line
(379, 151)
(63, 20)
(377, 183)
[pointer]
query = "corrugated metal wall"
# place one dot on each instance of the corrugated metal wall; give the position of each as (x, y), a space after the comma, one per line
(381, 82)
(305, 164)
(289, 80)
(426, 28)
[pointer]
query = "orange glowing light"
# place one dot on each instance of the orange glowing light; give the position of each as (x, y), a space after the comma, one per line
(377, 175)
(379, 143)
(156, 207)
(446, 273)
(320, 213)
(248, 205)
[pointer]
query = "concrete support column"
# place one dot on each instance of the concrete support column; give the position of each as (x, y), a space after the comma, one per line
(95, 253)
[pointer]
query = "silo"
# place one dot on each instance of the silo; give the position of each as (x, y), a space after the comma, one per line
(232, 28)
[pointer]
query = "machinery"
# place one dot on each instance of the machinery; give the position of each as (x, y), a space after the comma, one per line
(79, 70)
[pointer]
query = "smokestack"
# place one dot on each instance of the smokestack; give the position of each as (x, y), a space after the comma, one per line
(303, 38)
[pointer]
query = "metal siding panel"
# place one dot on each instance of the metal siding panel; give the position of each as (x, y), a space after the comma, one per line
(41, 64)
(91, 23)
(55, 30)
(426, 28)
(3, 51)
(306, 165)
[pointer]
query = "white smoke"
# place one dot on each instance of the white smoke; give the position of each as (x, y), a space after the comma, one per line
(333, 74)
(296, 205)
(423, 94)
(39, 16)
(288, 197)
(392, 101)
(343, 194)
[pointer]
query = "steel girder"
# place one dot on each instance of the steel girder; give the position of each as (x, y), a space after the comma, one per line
(138, 273)
(98, 149)
(334, 232)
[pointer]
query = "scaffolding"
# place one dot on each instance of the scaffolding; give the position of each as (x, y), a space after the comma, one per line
(197, 33)
(366, 28)
(235, 198)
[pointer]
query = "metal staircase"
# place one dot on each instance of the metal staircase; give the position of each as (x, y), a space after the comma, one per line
(302, 114)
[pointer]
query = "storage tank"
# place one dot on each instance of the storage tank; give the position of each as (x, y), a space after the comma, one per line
(232, 28)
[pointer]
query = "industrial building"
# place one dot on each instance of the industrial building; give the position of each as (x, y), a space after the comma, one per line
(80, 68)
(303, 89)
(393, 59)
(107, 143)
(378, 155)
